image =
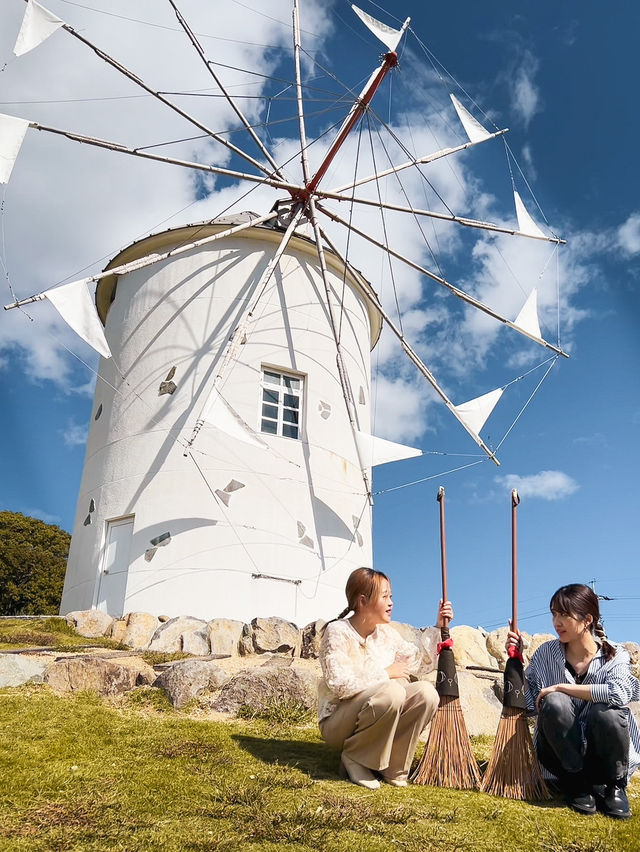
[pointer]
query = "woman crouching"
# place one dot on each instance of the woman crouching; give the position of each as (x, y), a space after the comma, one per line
(368, 708)
(579, 685)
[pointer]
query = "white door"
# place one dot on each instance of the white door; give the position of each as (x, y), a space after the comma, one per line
(115, 567)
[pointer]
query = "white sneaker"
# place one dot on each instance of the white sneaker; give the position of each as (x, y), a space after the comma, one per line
(360, 775)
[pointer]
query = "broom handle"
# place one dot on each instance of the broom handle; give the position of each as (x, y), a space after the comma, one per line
(443, 550)
(515, 499)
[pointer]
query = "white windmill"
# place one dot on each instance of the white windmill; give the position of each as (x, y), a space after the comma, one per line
(228, 462)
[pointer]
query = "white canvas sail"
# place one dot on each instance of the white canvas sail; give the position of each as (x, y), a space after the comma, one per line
(37, 25)
(374, 451)
(475, 412)
(219, 413)
(525, 223)
(387, 35)
(527, 319)
(12, 132)
(75, 305)
(474, 130)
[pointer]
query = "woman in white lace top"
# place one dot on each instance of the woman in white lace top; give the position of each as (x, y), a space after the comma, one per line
(367, 706)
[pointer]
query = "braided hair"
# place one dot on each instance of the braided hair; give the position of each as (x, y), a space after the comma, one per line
(579, 601)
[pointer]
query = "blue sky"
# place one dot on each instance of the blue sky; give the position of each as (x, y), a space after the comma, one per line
(562, 77)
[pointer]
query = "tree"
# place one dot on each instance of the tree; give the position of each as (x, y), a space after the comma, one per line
(33, 561)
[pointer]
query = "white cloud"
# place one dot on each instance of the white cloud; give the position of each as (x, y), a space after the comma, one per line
(525, 96)
(629, 235)
(546, 485)
(75, 435)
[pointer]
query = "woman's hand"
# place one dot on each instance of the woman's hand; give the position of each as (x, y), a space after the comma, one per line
(514, 639)
(557, 687)
(445, 611)
(399, 669)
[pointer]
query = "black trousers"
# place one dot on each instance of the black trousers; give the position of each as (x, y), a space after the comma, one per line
(560, 746)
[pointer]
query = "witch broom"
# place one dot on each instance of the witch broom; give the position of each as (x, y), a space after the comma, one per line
(513, 771)
(447, 760)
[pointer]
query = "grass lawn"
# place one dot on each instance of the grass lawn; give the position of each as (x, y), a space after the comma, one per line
(80, 773)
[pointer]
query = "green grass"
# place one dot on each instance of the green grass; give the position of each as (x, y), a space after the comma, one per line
(80, 774)
(52, 633)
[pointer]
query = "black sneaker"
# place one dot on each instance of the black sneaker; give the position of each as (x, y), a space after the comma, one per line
(612, 801)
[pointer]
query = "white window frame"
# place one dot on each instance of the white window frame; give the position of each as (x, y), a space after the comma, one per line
(275, 411)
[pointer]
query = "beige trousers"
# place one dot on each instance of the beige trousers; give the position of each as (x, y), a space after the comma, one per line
(379, 727)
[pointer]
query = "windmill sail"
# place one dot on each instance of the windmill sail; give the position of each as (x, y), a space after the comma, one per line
(12, 133)
(475, 412)
(387, 35)
(75, 305)
(525, 222)
(375, 451)
(37, 25)
(527, 319)
(474, 130)
(219, 413)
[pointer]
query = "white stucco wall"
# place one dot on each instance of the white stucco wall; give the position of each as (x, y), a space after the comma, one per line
(180, 312)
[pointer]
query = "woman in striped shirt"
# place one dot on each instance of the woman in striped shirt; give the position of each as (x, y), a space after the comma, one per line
(579, 685)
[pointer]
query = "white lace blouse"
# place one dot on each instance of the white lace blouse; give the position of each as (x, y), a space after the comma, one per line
(351, 663)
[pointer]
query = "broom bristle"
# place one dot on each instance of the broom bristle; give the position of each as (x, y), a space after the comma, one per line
(448, 760)
(513, 771)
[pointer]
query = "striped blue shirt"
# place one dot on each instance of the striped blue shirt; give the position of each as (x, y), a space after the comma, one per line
(611, 683)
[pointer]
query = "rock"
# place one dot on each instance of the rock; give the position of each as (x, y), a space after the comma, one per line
(495, 646)
(140, 628)
(311, 638)
(16, 669)
(260, 686)
(182, 634)
(145, 674)
(223, 635)
(79, 674)
(91, 623)
(271, 635)
(117, 630)
(536, 640)
(634, 653)
(186, 679)
(480, 706)
(470, 648)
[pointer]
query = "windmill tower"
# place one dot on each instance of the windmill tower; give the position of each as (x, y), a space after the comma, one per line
(268, 511)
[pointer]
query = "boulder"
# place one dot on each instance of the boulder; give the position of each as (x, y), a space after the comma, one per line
(470, 648)
(117, 630)
(16, 669)
(271, 635)
(79, 674)
(634, 653)
(91, 623)
(260, 686)
(186, 679)
(140, 628)
(311, 638)
(182, 634)
(536, 640)
(480, 705)
(223, 635)
(429, 638)
(495, 646)
(145, 674)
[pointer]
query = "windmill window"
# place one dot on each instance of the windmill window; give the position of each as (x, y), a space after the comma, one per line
(281, 404)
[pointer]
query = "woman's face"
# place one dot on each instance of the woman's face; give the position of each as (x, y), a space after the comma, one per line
(569, 627)
(378, 609)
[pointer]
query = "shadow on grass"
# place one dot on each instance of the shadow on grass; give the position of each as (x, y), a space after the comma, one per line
(315, 759)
